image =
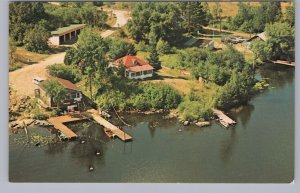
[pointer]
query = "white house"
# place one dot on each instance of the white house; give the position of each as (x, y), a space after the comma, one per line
(135, 68)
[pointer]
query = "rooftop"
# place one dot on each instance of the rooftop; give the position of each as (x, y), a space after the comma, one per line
(65, 83)
(130, 61)
(67, 29)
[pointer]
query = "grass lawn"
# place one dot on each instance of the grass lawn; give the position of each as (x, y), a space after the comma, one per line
(25, 57)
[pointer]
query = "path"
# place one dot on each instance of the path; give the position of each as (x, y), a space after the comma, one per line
(122, 18)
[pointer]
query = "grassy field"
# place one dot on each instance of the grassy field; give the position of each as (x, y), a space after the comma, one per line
(231, 8)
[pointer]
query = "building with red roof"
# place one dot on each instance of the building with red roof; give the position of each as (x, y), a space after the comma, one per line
(72, 98)
(135, 68)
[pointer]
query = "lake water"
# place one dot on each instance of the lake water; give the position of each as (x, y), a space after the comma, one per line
(260, 148)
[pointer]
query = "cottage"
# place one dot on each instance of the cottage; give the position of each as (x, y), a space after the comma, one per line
(258, 37)
(72, 98)
(64, 34)
(135, 68)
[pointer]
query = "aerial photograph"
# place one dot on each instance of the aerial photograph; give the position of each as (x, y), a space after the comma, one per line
(152, 92)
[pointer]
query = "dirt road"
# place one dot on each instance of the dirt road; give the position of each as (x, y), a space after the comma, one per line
(21, 79)
(122, 18)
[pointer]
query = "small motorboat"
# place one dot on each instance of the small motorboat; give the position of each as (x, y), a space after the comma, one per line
(108, 133)
(98, 153)
(91, 168)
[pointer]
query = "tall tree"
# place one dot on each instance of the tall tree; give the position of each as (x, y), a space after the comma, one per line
(217, 14)
(163, 17)
(22, 16)
(281, 40)
(36, 39)
(195, 15)
(89, 56)
(290, 15)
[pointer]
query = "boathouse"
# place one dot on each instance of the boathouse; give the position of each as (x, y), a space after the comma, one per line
(72, 98)
(135, 68)
(65, 34)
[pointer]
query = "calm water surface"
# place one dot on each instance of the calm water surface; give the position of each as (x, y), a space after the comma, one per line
(259, 149)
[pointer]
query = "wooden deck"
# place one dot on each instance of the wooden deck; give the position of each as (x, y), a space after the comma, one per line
(58, 123)
(224, 119)
(114, 129)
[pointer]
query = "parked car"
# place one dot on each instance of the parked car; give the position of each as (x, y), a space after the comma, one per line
(37, 80)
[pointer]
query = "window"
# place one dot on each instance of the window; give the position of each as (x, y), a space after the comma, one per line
(138, 73)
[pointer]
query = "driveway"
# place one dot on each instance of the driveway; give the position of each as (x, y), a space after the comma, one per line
(21, 79)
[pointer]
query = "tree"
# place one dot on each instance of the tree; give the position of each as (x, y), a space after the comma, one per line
(22, 16)
(261, 54)
(163, 47)
(217, 11)
(281, 40)
(162, 17)
(195, 15)
(154, 59)
(55, 90)
(36, 39)
(89, 56)
(272, 11)
(119, 48)
(290, 15)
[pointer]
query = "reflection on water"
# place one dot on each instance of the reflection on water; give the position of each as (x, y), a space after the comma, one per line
(227, 145)
(260, 148)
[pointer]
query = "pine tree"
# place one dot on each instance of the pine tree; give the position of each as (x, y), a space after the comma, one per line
(154, 58)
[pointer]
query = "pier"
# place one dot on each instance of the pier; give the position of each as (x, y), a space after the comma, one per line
(283, 62)
(224, 119)
(114, 129)
(58, 123)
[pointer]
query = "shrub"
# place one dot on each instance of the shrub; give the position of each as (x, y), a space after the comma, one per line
(156, 96)
(64, 72)
(36, 39)
(163, 47)
(194, 110)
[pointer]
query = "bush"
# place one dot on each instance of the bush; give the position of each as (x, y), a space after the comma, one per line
(156, 96)
(40, 116)
(112, 100)
(64, 72)
(141, 46)
(194, 110)
(36, 39)
(163, 47)
(119, 48)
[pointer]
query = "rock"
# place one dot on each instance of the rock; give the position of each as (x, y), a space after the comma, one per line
(203, 123)
(27, 121)
(186, 123)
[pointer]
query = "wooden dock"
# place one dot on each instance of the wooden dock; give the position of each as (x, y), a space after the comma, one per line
(114, 129)
(283, 62)
(58, 123)
(224, 119)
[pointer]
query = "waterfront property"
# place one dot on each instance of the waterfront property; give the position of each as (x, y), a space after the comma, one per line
(135, 68)
(72, 98)
(258, 37)
(65, 34)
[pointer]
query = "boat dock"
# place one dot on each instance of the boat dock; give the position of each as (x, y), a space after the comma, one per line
(58, 123)
(283, 62)
(114, 129)
(224, 119)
